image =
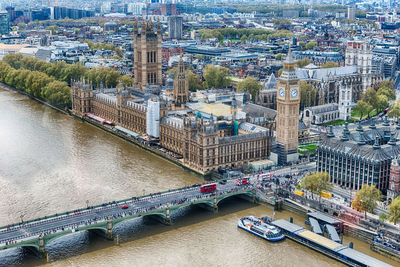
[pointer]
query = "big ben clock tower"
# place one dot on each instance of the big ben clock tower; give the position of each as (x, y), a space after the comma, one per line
(288, 107)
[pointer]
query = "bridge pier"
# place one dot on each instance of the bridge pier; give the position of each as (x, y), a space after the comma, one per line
(42, 251)
(168, 220)
(215, 204)
(109, 234)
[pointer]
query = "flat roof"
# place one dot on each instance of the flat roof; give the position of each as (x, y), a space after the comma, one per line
(287, 225)
(215, 109)
(361, 257)
(322, 217)
(316, 228)
(323, 241)
(332, 233)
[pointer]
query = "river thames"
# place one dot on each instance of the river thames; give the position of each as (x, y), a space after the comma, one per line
(51, 163)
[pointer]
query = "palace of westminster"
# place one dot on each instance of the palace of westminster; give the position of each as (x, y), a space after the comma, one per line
(205, 135)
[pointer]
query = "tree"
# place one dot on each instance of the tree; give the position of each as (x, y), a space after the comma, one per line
(127, 80)
(193, 80)
(307, 94)
(303, 62)
(316, 182)
(382, 217)
(382, 102)
(58, 93)
(370, 97)
(216, 76)
(388, 92)
(394, 210)
(311, 45)
(252, 86)
(362, 108)
(278, 56)
(394, 110)
(280, 72)
(330, 64)
(366, 199)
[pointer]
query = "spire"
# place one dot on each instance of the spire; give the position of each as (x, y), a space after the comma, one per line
(359, 127)
(289, 58)
(386, 122)
(392, 140)
(331, 134)
(372, 126)
(346, 132)
(346, 129)
(376, 145)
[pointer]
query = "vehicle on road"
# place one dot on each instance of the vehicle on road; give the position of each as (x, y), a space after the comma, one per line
(242, 181)
(124, 207)
(206, 188)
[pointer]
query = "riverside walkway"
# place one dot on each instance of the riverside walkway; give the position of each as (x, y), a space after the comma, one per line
(104, 218)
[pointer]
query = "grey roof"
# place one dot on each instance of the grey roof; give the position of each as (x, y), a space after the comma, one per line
(324, 74)
(252, 128)
(324, 108)
(363, 258)
(322, 217)
(254, 110)
(281, 223)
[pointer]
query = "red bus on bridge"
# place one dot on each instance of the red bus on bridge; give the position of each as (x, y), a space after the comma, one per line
(208, 188)
(266, 176)
(242, 181)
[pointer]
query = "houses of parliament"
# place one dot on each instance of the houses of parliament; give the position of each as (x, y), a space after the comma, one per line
(158, 113)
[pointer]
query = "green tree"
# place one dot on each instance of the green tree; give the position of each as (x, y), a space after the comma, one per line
(193, 80)
(370, 96)
(278, 56)
(388, 92)
(382, 217)
(311, 45)
(216, 76)
(303, 62)
(362, 108)
(316, 182)
(127, 80)
(58, 93)
(307, 94)
(382, 102)
(53, 29)
(330, 64)
(394, 110)
(280, 72)
(366, 199)
(252, 86)
(394, 210)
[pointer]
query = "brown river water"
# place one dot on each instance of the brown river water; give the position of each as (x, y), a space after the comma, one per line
(50, 162)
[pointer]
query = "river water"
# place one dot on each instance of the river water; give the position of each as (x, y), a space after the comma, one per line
(50, 163)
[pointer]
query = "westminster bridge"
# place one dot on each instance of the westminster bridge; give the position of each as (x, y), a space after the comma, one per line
(36, 234)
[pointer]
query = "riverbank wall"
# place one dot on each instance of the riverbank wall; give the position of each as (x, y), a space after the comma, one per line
(143, 146)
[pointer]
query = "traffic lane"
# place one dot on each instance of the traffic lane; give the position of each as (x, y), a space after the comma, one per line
(50, 226)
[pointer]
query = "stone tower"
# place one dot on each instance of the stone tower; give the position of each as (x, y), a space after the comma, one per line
(288, 107)
(181, 86)
(81, 98)
(345, 93)
(147, 55)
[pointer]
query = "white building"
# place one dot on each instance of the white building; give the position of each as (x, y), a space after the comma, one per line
(345, 93)
(359, 53)
(153, 118)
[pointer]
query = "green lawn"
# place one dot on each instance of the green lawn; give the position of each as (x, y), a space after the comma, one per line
(357, 114)
(306, 149)
(339, 122)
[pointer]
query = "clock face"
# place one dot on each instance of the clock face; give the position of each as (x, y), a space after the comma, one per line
(294, 93)
(281, 92)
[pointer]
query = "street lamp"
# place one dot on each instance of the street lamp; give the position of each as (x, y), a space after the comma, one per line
(22, 218)
(87, 203)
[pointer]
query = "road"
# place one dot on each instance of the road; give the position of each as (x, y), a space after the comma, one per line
(72, 220)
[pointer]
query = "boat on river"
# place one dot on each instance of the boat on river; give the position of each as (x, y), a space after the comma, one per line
(261, 229)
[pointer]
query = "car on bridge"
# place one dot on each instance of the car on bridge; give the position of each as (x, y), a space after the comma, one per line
(124, 207)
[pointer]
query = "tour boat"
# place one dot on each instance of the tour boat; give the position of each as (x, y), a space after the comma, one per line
(261, 229)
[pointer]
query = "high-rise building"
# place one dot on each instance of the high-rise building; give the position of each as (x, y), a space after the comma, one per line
(181, 86)
(351, 13)
(147, 55)
(4, 22)
(288, 107)
(394, 180)
(175, 24)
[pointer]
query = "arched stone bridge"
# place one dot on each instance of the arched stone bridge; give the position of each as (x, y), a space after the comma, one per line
(36, 234)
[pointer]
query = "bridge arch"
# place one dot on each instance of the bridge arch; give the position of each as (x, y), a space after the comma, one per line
(225, 197)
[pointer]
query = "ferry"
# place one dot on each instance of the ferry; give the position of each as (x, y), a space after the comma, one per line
(261, 229)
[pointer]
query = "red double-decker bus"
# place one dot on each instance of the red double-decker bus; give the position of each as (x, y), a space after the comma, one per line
(208, 188)
(242, 181)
